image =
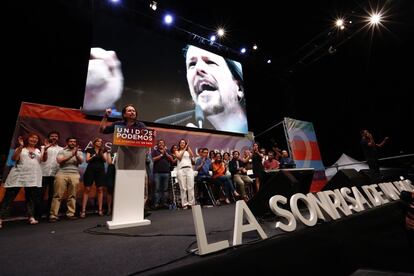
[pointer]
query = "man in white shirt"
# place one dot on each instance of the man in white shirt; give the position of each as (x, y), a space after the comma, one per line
(49, 167)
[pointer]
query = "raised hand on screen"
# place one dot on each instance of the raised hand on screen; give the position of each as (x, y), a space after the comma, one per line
(104, 83)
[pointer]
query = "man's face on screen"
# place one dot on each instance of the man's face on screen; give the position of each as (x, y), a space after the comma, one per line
(210, 81)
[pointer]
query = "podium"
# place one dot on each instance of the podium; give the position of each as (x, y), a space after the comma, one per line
(129, 193)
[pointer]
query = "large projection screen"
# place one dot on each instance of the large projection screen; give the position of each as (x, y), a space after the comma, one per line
(169, 81)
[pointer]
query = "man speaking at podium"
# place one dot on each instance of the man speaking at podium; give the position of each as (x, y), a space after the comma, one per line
(129, 116)
(130, 159)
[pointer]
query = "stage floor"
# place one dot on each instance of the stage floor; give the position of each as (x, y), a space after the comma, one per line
(86, 247)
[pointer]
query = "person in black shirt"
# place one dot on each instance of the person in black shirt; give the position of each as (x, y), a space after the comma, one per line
(285, 161)
(162, 160)
(96, 158)
(369, 147)
(129, 116)
(258, 169)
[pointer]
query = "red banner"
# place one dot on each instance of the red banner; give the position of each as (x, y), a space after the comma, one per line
(42, 119)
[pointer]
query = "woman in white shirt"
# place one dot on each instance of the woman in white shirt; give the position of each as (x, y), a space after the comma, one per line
(27, 173)
(185, 173)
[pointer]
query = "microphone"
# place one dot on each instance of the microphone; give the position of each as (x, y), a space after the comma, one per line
(176, 119)
(199, 116)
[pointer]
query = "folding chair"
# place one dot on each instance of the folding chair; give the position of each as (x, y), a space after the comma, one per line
(175, 190)
(210, 194)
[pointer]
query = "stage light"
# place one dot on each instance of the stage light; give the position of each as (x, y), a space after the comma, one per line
(255, 47)
(243, 50)
(375, 18)
(220, 32)
(168, 19)
(269, 61)
(153, 5)
(213, 38)
(339, 23)
(115, 1)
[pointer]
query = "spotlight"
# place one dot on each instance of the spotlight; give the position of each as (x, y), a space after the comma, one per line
(220, 32)
(243, 50)
(213, 38)
(269, 61)
(375, 18)
(255, 47)
(168, 19)
(339, 23)
(153, 5)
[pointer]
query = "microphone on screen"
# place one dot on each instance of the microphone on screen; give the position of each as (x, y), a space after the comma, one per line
(199, 116)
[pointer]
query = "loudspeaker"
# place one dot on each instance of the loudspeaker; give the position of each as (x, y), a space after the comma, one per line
(387, 175)
(273, 183)
(347, 178)
(367, 173)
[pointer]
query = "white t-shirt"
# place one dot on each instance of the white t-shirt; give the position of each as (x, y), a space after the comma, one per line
(51, 166)
(185, 161)
(27, 171)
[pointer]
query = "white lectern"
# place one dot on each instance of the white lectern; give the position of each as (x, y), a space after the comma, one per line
(128, 209)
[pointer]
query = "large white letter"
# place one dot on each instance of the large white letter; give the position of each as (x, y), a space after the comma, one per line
(378, 195)
(240, 228)
(404, 185)
(409, 185)
(389, 190)
(325, 204)
(360, 199)
(371, 194)
(313, 216)
(291, 221)
(203, 246)
(345, 191)
(335, 202)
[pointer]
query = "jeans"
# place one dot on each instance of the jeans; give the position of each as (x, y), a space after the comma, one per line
(161, 187)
